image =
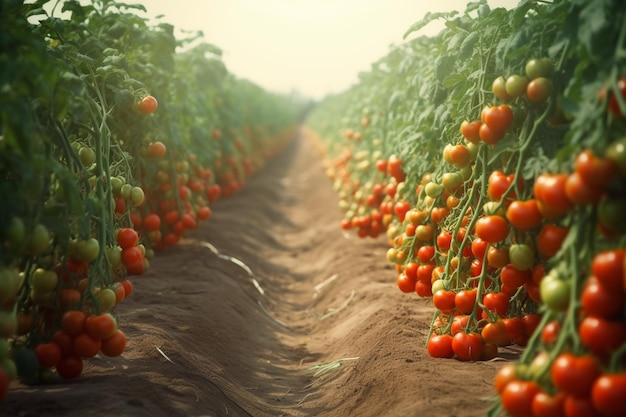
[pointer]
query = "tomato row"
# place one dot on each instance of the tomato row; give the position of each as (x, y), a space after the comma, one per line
(506, 189)
(105, 175)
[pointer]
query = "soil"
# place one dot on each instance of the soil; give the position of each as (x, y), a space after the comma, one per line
(271, 309)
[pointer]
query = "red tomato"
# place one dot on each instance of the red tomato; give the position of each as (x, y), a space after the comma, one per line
(100, 326)
(546, 405)
(440, 346)
(73, 322)
(608, 267)
(496, 302)
(602, 337)
(581, 193)
(580, 407)
(70, 367)
(494, 332)
(426, 253)
(469, 130)
(406, 284)
(517, 397)
(114, 345)
(574, 375)
(504, 375)
(599, 301)
(492, 229)
(550, 239)
(549, 190)
(127, 238)
(467, 346)
(498, 118)
(465, 300)
(148, 105)
(156, 149)
(48, 354)
(594, 171)
(444, 240)
(444, 300)
(608, 393)
(86, 346)
(524, 215)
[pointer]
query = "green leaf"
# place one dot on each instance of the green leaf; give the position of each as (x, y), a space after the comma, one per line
(429, 17)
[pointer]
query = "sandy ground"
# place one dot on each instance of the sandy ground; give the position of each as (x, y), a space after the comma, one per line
(207, 337)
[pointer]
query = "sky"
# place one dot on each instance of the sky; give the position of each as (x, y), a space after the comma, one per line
(312, 47)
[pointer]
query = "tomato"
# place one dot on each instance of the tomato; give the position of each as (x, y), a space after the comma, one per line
(492, 229)
(517, 397)
(438, 214)
(156, 149)
(127, 238)
(555, 292)
(497, 118)
(580, 192)
(579, 407)
(550, 239)
(100, 326)
(514, 327)
(467, 346)
(444, 300)
(460, 156)
(504, 375)
(608, 267)
(87, 250)
(594, 171)
(401, 208)
(440, 346)
(597, 300)
(497, 302)
(498, 184)
(424, 289)
(106, 299)
(465, 300)
(405, 283)
(611, 217)
(513, 278)
(539, 90)
(550, 333)
(444, 240)
(114, 345)
(87, 156)
(549, 190)
(574, 375)
(69, 367)
(531, 322)
(546, 405)
(522, 256)
(488, 135)
(601, 336)
(132, 256)
(73, 322)
(494, 332)
(608, 393)
(426, 253)
(451, 180)
(498, 87)
(48, 354)
(524, 215)
(128, 287)
(86, 346)
(148, 105)
(38, 241)
(137, 196)
(470, 130)
(616, 152)
(539, 67)
(516, 85)
(497, 257)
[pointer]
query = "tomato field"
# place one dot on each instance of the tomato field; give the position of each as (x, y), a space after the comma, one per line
(489, 160)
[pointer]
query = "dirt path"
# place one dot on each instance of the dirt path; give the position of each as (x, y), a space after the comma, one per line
(204, 340)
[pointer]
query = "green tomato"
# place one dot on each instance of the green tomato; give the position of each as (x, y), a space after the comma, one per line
(539, 67)
(616, 152)
(15, 232)
(611, 214)
(10, 282)
(522, 256)
(516, 85)
(87, 156)
(438, 285)
(433, 190)
(43, 280)
(87, 250)
(38, 241)
(554, 293)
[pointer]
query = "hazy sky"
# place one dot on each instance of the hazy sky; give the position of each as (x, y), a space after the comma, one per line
(315, 47)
